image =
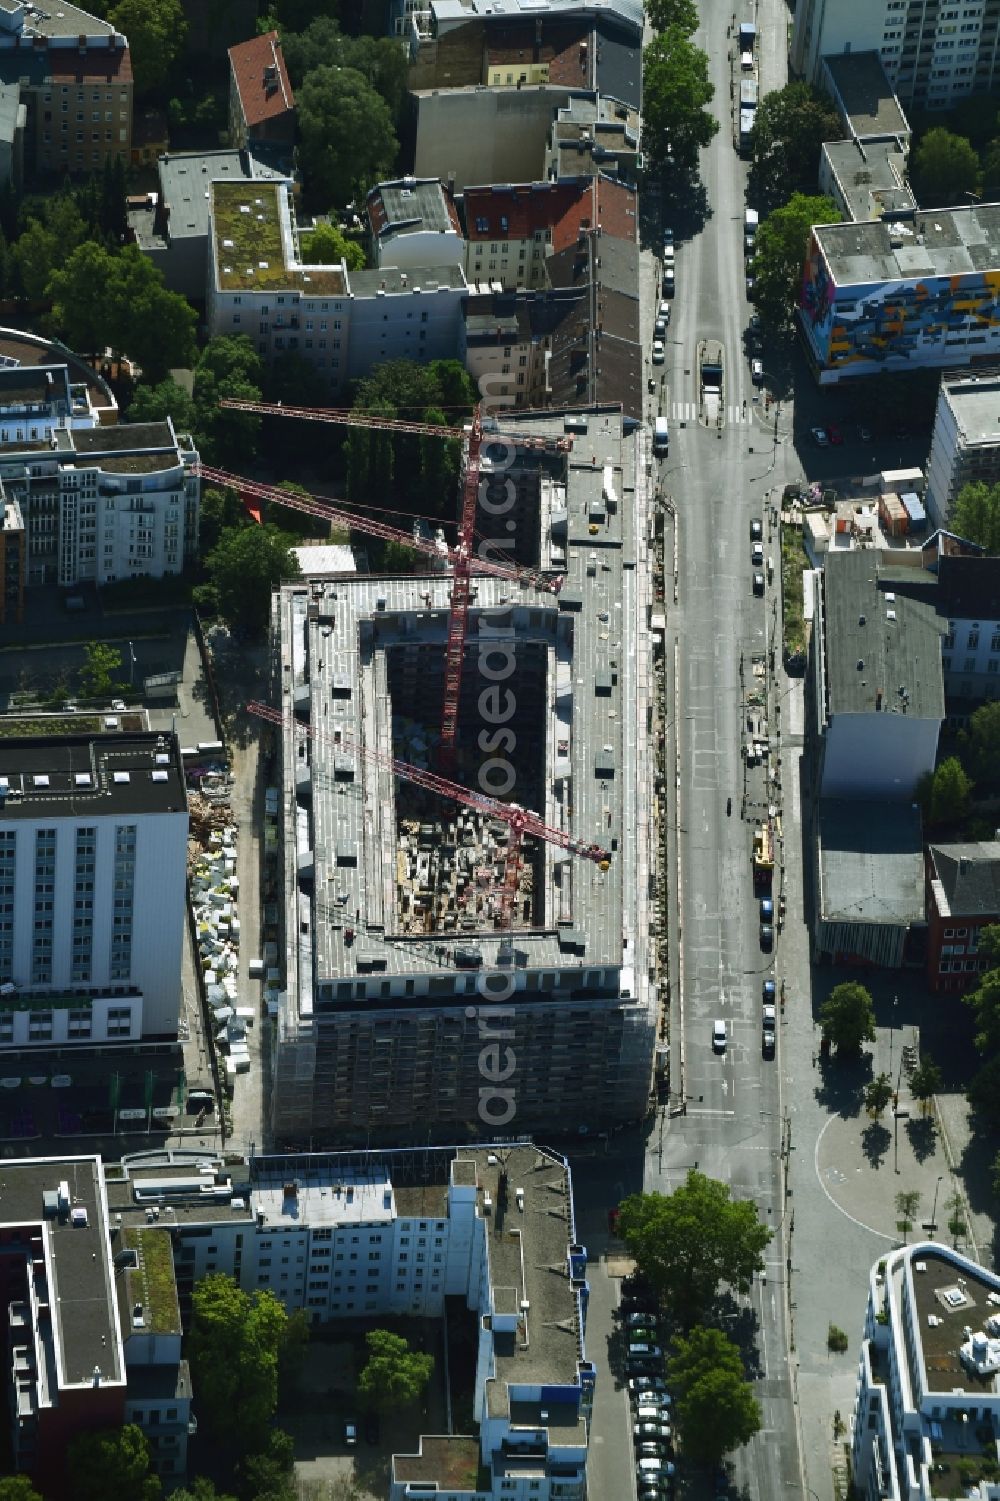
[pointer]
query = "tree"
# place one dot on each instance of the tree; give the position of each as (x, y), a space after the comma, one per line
(79, 296)
(327, 245)
(789, 129)
(394, 1375)
(235, 1343)
(156, 30)
(101, 662)
(985, 1002)
(989, 942)
(943, 168)
(975, 514)
(907, 1204)
(227, 366)
(266, 1473)
(878, 1094)
(946, 800)
(780, 252)
(666, 13)
(715, 1406)
(983, 1092)
(925, 1081)
(317, 45)
(980, 745)
(111, 1466)
(200, 1489)
(145, 320)
(243, 568)
(220, 511)
(847, 1017)
(690, 1241)
(166, 399)
(348, 141)
(990, 159)
(18, 1488)
(676, 95)
(44, 247)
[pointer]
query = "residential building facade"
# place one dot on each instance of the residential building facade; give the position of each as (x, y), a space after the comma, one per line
(414, 222)
(342, 322)
(930, 1355)
(511, 231)
(93, 843)
(74, 74)
(347, 1236)
(261, 101)
(934, 54)
(965, 442)
(898, 294)
(13, 562)
(963, 897)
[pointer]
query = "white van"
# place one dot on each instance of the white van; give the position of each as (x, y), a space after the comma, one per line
(661, 435)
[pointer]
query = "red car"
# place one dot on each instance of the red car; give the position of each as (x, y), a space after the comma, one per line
(835, 435)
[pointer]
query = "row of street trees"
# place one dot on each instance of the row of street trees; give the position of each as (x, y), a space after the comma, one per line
(688, 1245)
(676, 91)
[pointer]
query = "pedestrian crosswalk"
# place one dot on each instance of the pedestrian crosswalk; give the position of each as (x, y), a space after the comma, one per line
(687, 411)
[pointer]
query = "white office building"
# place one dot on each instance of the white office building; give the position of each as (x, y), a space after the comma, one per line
(93, 843)
(368, 1234)
(927, 1416)
(965, 443)
(934, 52)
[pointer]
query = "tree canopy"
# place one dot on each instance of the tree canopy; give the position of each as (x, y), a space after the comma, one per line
(943, 167)
(18, 1488)
(243, 568)
(847, 1017)
(985, 1003)
(691, 1241)
(236, 1337)
(117, 298)
(676, 94)
(980, 744)
(98, 674)
(789, 129)
(975, 514)
(944, 793)
(111, 1466)
(165, 399)
(715, 1405)
(394, 1375)
(878, 1094)
(780, 252)
(381, 61)
(348, 140)
(666, 13)
(156, 30)
(327, 245)
(983, 1092)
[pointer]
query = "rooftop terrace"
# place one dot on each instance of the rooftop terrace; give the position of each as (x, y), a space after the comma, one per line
(252, 234)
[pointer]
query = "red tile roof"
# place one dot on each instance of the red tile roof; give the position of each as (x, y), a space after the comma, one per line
(566, 208)
(249, 62)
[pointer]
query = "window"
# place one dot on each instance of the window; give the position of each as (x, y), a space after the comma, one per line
(970, 664)
(973, 641)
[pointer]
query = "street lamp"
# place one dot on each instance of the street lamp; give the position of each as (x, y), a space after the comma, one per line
(892, 1030)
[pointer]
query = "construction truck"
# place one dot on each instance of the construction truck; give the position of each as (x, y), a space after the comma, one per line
(763, 857)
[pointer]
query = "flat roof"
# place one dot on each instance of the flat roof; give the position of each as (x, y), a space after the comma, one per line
(453, 12)
(871, 177)
(883, 650)
(18, 347)
(66, 21)
(974, 400)
(185, 176)
(81, 1292)
(871, 862)
(83, 776)
(452, 1461)
(252, 231)
(409, 204)
(395, 281)
(147, 1292)
(956, 1296)
(864, 94)
(945, 243)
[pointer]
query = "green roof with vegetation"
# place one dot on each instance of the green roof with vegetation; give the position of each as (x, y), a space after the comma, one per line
(249, 251)
(153, 1284)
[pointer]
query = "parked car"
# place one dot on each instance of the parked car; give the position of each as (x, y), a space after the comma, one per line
(650, 1449)
(767, 1043)
(756, 529)
(668, 253)
(663, 311)
(350, 1433)
(640, 1318)
(766, 937)
(819, 436)
(668, 235)
(643, 1350)
(865, 434)
(757, 372)
(640, 1385)
(660, 328)
(668, 282)
(757, 554)
(766, 909)
(646, 1412)
(834, 434)
(653, 1431)
(719, 1036)
(768, 992)
(758, 583)
(749, 286)
(769, 1018)
(658, 352)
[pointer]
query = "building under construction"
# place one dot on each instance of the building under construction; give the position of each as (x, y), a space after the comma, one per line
(429, 978)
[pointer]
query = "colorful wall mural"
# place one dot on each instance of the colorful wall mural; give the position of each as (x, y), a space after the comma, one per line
(896, 325)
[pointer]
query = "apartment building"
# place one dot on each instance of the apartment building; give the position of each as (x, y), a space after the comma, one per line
(342, 322)
(965, 442)
(92, 1322)
(12, 562)
(261, 101)
(74, 75)
(934, 52)
(897, 294)
(93, 843)
(963, 897)
(392, 952)
(927, 1410)
(413, 222)
(511, 231)
(395, 1233)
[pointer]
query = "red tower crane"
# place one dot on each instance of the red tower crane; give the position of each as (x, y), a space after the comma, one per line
(519, 821)
(462, 554)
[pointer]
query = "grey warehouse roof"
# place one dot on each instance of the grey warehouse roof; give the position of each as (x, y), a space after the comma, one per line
(864, 94)
(883, 650)
(871, 862)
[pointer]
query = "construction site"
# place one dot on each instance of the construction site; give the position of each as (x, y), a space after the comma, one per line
(466, 811)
